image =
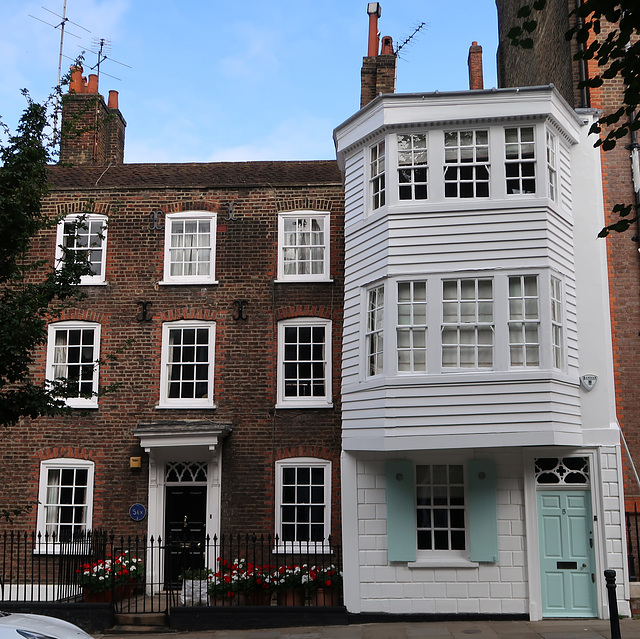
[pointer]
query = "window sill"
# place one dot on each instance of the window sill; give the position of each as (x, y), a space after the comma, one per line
(188, 283)
(288, 405)
(185, 406)
(83, 406)
(96, 283)
(443, 562)
(76, 548)
(310, 280)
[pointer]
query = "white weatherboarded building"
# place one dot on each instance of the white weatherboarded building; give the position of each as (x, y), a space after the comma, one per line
(479, 475)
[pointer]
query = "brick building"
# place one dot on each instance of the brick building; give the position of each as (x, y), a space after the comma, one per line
(551, 61)
(219, 287)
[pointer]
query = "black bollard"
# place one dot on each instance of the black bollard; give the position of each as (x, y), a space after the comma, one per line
(614, 621)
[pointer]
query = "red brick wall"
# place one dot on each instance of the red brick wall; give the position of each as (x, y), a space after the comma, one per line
(246, 352)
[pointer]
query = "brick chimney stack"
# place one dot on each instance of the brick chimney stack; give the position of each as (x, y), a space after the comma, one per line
(378, 73)
(474, 61)
(92, 131)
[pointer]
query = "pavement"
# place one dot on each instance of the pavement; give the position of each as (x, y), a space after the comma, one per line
(548, 629)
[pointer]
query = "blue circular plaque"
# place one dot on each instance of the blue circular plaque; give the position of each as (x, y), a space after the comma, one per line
(137, 512)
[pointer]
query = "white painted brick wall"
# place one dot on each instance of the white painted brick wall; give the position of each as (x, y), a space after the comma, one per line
(480, 589)
(499, 588)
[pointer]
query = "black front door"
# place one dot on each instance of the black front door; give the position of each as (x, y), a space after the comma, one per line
(185, 514)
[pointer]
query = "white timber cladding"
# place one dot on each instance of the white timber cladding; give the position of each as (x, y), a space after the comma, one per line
(467, 238)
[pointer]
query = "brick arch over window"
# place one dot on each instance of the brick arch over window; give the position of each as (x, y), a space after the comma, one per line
(81, 315)
(192, 205)
(176, 314)
(290, 312)
(284, 204)
(79, 207)
(66, 452)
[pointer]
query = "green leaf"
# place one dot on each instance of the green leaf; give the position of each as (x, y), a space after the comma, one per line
(526, 43)
(529, 26)
(524, 11)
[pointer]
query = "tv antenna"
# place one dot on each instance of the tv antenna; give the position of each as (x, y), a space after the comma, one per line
(62, 26)
(407, 40)
(100, 48)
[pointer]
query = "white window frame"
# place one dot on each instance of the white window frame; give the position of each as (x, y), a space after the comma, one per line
(191, 402)
(303, 546)
(197, 216)
(552, 165)
(558, 330)
(517, 159)
(435, 553)
(63, 463)
(85, 221)
(283, 247)
(385, 337)
(469, 321)
(374, 332)
(524, 321)
(75, 402)
(412, 158)
(324, 401)
(377, 175)
(467, 156)
(409, 324)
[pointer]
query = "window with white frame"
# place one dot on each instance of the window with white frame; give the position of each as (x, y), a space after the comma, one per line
(411, 330)
(190, 248)
(520, 160)
(303, 246)
(467, 323)
(466, 170)
(557, 322)
(73, 351)
(377, 175)
(552, 174)
(303, 503)
(440, 507)
(187, 366)
(304, 363)
(524, 321)
(65, 499)
(375, 331)
(412, 166)
(84, 233)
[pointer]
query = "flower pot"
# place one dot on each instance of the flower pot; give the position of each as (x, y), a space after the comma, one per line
(325, 597)
(194, 592)
(291, 597)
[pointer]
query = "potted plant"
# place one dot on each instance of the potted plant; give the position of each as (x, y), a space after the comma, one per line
(110, 577)
(195, 586)
(325, 585)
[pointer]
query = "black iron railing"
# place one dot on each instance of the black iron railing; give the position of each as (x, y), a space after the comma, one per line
(143, 574)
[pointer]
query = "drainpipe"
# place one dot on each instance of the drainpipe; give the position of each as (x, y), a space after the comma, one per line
(585, 102)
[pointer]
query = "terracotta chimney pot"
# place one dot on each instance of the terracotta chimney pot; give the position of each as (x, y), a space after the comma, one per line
(375, 11)
(93, 84)
(387, 46)
(113, 100)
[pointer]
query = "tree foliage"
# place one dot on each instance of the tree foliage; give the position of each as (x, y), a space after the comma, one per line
(32, 292)
(616, 50)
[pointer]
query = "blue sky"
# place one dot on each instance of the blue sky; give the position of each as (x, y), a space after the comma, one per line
(214, 80)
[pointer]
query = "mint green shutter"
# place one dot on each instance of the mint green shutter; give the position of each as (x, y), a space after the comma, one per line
(483, 510)
(401, 522)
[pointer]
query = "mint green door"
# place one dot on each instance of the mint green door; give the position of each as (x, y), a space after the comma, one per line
(565, 529)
